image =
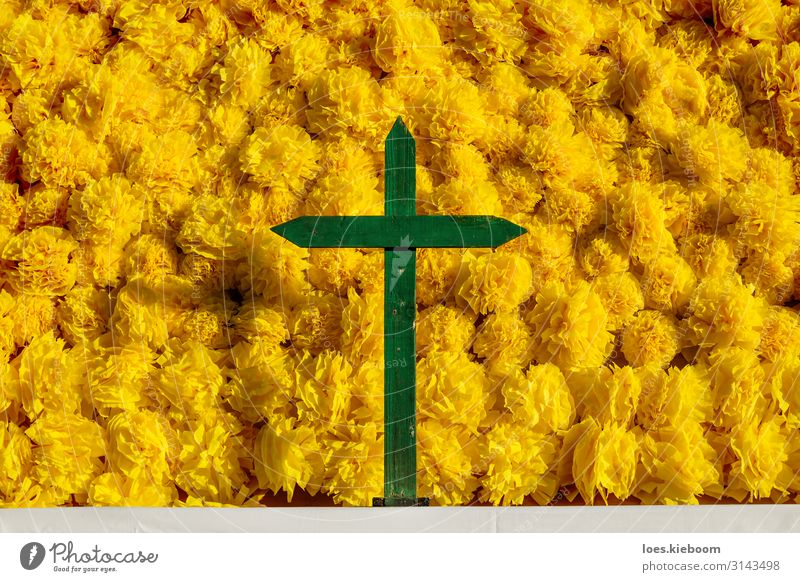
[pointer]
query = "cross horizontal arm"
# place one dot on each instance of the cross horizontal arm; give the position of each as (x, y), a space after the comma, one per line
(399, 231)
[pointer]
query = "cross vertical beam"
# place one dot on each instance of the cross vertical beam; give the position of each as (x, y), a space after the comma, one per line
(400, 346)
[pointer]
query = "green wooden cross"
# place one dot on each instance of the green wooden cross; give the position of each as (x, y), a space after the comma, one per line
(400, 232)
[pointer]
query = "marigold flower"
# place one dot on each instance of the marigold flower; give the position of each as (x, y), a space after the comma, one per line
(354, 466)
(540, 399)
(570, 327)
(288, 455)
(651, 338)
(407, 42)
(503, 340)
(621, 296)
(673, 398)
(760, 452)
(443, 328)
(452, 389)
(496, 282)
(280, 156)
(445, 462)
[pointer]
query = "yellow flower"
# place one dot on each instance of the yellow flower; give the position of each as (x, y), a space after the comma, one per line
(407, 42)
(107, 211)
(452, 389)
(503, 341)
(261, 383)
(324, 391)
(444, 461)
(245, 72)
(760, 453)
(496, 282)
(67, 458)
(48, 377)
(208, 464)
(334, 270)
(83, 314)
(680, 465)
(780, 335)
(519, 463)
(115, 489)
(540, 399)
(639, 218)
(723, 312)
(317, 324)
(609, 394)
(16, 459)
(570, 327)
(603, 459)
(754, 19)
(737, 383)
(288, 456)
(668, 283)
(651, 338)
(280, 156)
(621, 295)
(42, 261)
(674, 398)
(138, 315)
(189, 381)
(210, 231)
(437, 271)
(354, 466)
(443, 328)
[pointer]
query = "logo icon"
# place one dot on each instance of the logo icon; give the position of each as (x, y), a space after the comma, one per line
(31, 555)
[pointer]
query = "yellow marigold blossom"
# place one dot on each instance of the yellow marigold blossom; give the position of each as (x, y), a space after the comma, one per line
(324, 391)
(785, 389)
(10, 205)
(495, 282)
(256, 319)
(317, 324)
(261, 384)
(407, 42)
(189, 381)
(767, 221)
(32, 316)
(44, 205)
(362, 325)
(444, 328)
(519, 462)
(41, 257)
(346, 100)
(570, 327)
(639, 218)
(621, 296)
(603, 255)
(116, 489)
(603, 459)
(458, 196)
(114, 376)
(715, 153)
(452, 389)
(651, 338)
(274, 268)
(165, 163)
(16, 459)
(334, 270)
(62, 155)
(138, 315)
(678, 466)
(210, 232)
(106, 211)
(48, 378)
(437, 272)
(609, 394)
(503, 341)
(668, 283)
(208, 464)
(738, 386)
(673, 398)
(540, 399)
(519, 189)
(142, 446)
(245, 72)
(288, 455)
(492, 31)
(759, 449)
(445, 462)
(280, 156)
(150, 256)
(67, 458)
(710, 256)
(780, 335)
(724, 312)
(456, 108)
(753, 19)
(772, 278)
(354, 466)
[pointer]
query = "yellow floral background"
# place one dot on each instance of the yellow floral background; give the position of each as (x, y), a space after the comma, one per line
(161, 346)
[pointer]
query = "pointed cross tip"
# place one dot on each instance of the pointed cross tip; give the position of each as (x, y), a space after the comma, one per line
(399, 129)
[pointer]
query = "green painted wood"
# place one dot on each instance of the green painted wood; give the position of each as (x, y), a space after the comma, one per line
(400, 342)
(394, 231)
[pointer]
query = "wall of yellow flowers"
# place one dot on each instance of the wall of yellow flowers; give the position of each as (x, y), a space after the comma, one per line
(161, 346)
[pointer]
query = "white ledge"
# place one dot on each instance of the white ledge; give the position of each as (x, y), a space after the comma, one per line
(620, 519)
